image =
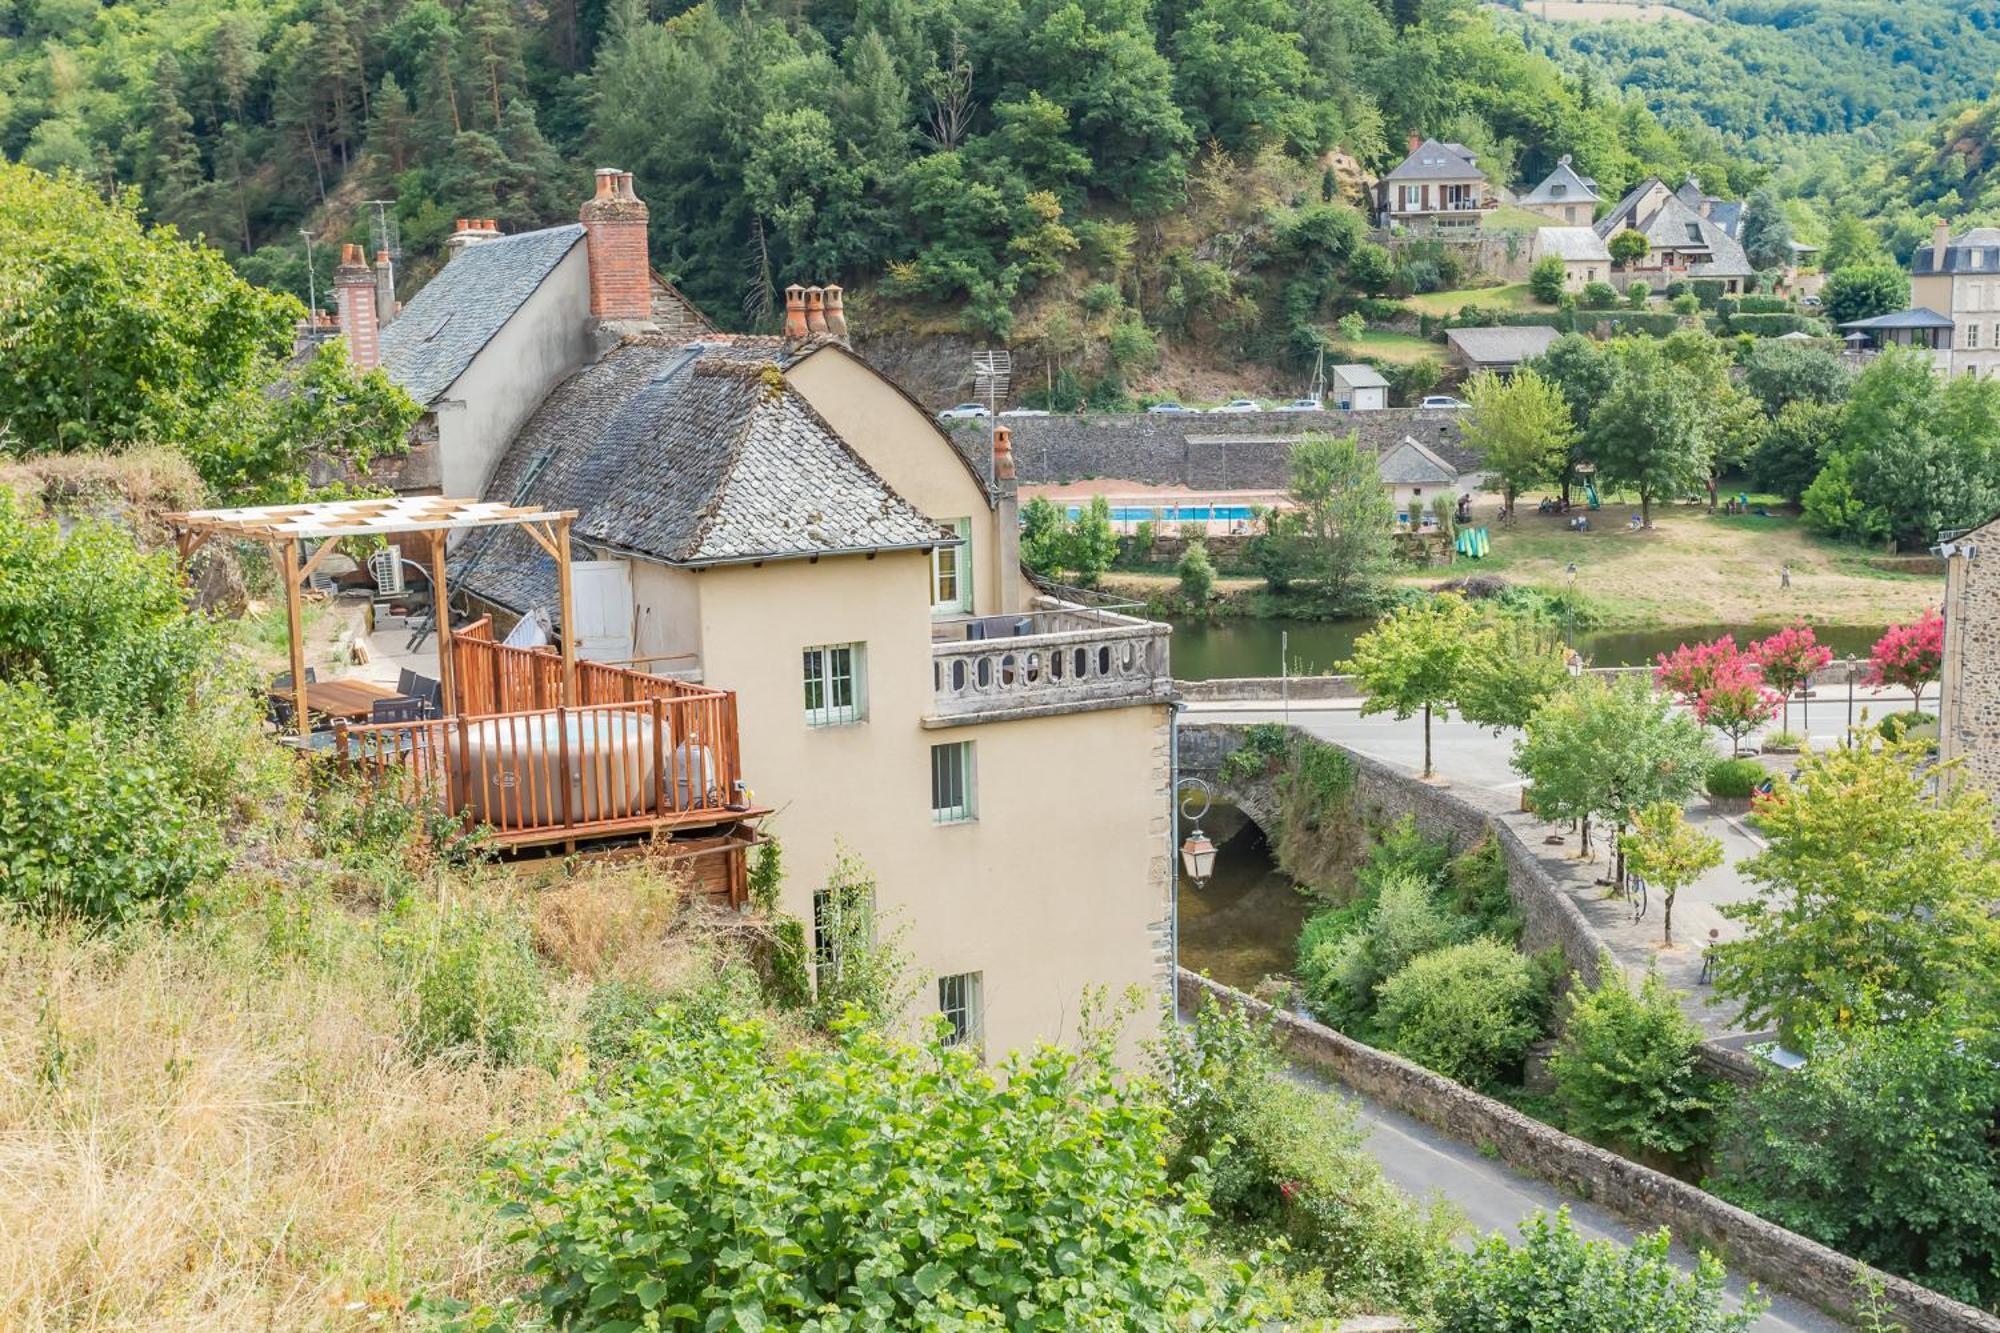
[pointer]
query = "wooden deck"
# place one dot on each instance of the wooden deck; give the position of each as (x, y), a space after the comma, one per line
(639, 754)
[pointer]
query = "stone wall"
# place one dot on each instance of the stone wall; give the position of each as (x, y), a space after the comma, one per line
(1248, 451)
(1969, 717)
(1773, 1256)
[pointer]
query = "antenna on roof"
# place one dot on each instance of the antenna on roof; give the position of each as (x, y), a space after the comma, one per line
(312, 286)
(385, 237)
(992, 377)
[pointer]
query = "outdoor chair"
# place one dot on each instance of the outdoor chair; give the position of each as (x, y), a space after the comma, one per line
(396, 710)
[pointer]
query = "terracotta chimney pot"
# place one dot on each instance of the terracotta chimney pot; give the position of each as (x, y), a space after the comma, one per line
(795, 312)
(1003, 453)
(836, 311)
(815, 310)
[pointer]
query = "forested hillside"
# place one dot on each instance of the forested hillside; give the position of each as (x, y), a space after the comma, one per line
(962, 151)
(1764, 72)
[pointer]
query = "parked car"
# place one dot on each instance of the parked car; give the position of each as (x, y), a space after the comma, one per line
(964, 412)
(1304, 405)
(1171, 406)
(1239, 405)
(1441, 401)
(1024, 412)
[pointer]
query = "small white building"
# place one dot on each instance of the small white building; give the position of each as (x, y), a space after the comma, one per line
(1414, 476)
(1359, 389)
(1585, 257)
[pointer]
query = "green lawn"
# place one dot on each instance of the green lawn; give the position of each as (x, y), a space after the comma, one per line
(1513, 296)
(1509, 218)
(1398, 348)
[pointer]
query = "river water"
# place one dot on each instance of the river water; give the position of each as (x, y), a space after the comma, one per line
(1204, 650)
(1241, 926)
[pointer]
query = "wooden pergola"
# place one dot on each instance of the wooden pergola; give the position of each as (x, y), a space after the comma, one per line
(284, 527)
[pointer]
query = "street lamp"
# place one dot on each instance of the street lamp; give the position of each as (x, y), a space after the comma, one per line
(1569, 606)
(1197, 852)
(1853, 667)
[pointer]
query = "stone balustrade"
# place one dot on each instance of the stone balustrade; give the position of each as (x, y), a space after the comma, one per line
(1070, 659)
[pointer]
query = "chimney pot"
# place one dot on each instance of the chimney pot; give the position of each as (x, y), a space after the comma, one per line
(607, 182)
(1003, 454)
(461, 224)
(815, 310)
(795, 312)
(1416, 141)
(836, 311)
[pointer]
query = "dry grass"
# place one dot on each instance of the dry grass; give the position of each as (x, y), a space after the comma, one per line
(220, 1127)
(141, 485)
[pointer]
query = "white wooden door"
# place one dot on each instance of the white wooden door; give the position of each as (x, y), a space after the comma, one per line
(602, 590)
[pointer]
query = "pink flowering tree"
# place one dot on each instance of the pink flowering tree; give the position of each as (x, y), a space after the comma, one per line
(1687, 672)
(1788, 659)
(1909, 656)
(1736, 701)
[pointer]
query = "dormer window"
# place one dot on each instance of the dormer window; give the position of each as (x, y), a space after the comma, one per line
(1559, 190)
(1977, 258)
(1694, 232)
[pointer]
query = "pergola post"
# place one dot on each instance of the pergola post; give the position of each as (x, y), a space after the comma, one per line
(441, 616)
(567, 603)
(288, 557)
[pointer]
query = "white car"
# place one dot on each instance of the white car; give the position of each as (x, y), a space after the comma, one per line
(964, 412)
(1024, 412)
(1441, 401)
(1304, 405)
(1171, 407)
(1239, 405)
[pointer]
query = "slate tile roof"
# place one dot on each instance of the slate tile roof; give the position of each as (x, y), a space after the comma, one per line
(445, 325)
(1676, 225)
(1434, 161)
(689, 454)
(1408, 463)
(1977, 251)
(1503, 345)
(1562, 186)
(1573, 244)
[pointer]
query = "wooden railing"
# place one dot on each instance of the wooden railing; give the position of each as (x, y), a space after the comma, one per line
(490, 677)
(547, 774)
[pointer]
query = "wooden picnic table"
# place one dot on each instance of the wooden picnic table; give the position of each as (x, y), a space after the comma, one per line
(346, 697)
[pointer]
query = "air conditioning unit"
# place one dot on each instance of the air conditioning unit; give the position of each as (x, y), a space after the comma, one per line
(386, 567)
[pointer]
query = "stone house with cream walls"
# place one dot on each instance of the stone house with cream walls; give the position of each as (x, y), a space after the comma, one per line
(1960, 279)
(1585, 258)
(1563, 197)
(1438, 184)
(1691, 235)
(1969, 709)
(772, 515)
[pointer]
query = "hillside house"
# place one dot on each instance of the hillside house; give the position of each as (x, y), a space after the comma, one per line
(1918, 327)
(1969, 709)
(1691, 235)
(1960, 280)
(1563, 197)
(1581, 250)
(774, 513)
(1438, 184)
(1501, 349)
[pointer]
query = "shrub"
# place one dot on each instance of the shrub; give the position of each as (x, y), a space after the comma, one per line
(867, 1183)
(1407, 922)
(1132, 345)
(1143, 534)
(1478, 883)
(1546, 278)
(1403, 850)
(1626, 1072)
(1735, 779)
(91, 826)
(476, 991)
(1707, 291)
(1896, 726)
(1197, 575)
(1637, 294)
(1555, 1281)
(1686, 303)
(1599, 296)
(1467, 1011)
(1100, 297)
(1265, 744)
(1289, 1161)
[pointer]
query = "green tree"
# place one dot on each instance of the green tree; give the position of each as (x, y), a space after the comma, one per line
(1882, 1146)
(1336, 532)
(718, 1172)
(1414, 660)
(117, 334)
(1872, 895)
(1547, 278)
(1583, 368)
(1923, 452)
(1651, 431)
(1240, 74)
(1089, 543)
(1779, 373)
(1796, 446)
(1514, 665)
(1520, 427)
(1467, 1011)
(1766, 231)
(1669, 853)
(1628, 247)
(1555, 1281)
(1849, 243)
(1628, 1069)
(1196, 574)
(1609, 749)
(1863, 291)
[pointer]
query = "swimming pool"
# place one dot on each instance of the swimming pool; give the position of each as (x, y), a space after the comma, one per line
(1172, 513)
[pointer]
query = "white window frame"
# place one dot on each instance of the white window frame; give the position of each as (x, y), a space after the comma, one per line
(825, 669)
(1972, 336)
(954, 790)
(1413, 198)
(962, 1001)
(954, 563)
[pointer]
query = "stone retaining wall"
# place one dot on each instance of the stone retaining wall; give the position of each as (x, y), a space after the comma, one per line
(1780, 1259)
(1249, 451)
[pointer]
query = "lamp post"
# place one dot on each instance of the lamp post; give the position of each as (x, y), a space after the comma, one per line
(1196, 856)
(1853, 665)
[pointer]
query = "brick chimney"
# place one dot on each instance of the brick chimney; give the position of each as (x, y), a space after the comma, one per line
(1416, 141)
(836, 311)
(354, 298)
(815, 310)
(614, 222)
(1006, 522)
(1940, 243)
